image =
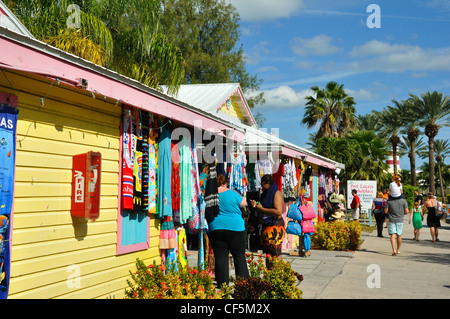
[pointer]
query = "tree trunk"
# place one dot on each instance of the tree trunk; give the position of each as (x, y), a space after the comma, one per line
(412, 161)
(440, 180)
(431, 164)
(394, 155)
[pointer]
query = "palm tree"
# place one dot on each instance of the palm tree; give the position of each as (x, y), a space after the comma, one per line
(412, 133)
(368, 122)
(405, 147)
(442, 149)
(374, 152)
(333, 107)
(121, 35)
(390, 127)
(433, 109)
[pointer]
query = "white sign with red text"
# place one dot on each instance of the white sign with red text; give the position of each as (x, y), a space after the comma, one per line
(366, 191)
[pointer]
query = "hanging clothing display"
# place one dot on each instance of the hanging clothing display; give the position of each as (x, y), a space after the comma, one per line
(322, 189)
(175, 180)
(237, 175)
(152, 167)
(167, 234)
(127, 159)
(262, 167)
(278, 175)
(289, 181)
(137, 165)
(164, 184)
(145, 161)
(182, 247)
(185, 181)
(211, 193)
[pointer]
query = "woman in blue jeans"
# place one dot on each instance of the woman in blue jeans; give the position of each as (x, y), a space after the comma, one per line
(226, 232)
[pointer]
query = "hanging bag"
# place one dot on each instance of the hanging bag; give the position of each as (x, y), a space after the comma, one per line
(294, 228)
(307, 210)
(308, 226)
(306, 242)
(294, 211)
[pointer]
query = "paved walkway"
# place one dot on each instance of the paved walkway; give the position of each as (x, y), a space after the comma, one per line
(422, 270)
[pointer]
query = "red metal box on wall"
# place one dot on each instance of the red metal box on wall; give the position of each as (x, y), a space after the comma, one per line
(86, 173)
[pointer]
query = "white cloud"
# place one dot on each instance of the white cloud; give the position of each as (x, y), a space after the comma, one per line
(285, 97)
(318, 45)
(385, 57)
(266, 10)
(360, 95)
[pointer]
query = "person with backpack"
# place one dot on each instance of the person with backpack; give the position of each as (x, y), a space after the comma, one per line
(378, 212)
(432, 220)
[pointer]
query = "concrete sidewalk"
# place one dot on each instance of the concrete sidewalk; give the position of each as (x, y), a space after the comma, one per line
(422, 270)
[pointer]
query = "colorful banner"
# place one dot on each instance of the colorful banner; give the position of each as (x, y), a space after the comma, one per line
(8, 122)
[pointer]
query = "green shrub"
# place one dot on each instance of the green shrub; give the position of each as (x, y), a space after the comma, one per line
(155, 282)
(279, 282)
(408, 194)
(337, 235)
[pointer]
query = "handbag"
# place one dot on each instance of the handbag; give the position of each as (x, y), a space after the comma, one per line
(307, 210)
(308, 226)
(294, 211)
(439, 210)
(306, 242)
(294, 228)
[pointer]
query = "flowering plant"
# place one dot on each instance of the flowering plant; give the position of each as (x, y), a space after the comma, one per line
(337, 235)
(278, 282)
(157, 282)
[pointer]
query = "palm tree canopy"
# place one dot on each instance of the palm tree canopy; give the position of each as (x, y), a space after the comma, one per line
(121, 35)
(333, 107)
(441, 149)
(431, 108)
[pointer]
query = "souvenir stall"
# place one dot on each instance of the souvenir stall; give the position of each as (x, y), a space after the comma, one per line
(169, 174)
(295, 171)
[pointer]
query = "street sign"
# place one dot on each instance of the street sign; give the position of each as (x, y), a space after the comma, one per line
(366, 191)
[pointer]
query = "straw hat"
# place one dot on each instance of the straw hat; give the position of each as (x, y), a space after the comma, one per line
(337, 215)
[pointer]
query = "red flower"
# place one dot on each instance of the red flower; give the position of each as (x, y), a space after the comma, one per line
(194, 271)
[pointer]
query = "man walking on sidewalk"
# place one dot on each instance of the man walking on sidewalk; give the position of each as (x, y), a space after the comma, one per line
(396, 209)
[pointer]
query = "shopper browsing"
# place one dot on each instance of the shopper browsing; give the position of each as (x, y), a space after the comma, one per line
(226, 233)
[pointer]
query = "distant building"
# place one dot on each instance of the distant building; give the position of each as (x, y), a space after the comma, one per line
(390, 162)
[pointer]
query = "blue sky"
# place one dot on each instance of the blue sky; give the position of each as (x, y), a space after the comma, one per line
(294, 44)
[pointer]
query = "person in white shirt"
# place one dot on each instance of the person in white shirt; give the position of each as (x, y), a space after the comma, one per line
(395, 188)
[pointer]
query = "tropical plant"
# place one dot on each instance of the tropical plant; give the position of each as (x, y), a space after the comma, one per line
(158, 282)
(362, 152)
(368, 122)
(405, 147)
(391, 124)
(433, 109)
(120, 35)
(441, 149)
(410, 128)
(337, 235)
(373, 154)
(332, 108)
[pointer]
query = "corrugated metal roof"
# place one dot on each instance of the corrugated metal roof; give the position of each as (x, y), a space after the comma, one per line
(210, 97)
(9, 21)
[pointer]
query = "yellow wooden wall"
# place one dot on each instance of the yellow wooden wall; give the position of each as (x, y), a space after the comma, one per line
(234, 109)
(47, 241)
